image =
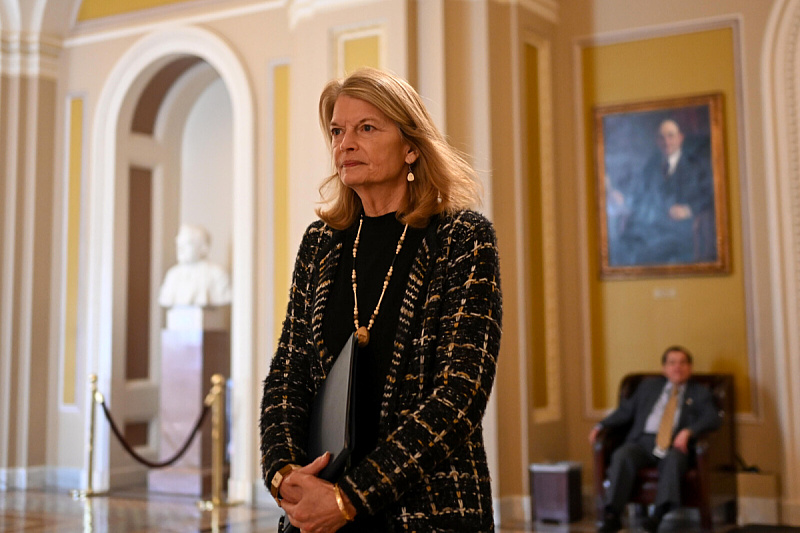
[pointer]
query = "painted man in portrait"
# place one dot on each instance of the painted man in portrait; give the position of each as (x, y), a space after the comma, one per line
(670, 209)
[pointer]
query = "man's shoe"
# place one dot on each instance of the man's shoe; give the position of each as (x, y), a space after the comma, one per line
(651, 524)
(610, 524)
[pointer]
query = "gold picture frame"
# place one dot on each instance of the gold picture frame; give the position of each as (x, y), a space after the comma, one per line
(661, 188)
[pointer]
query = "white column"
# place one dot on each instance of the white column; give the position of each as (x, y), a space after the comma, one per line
(430, 58)
(781, 82)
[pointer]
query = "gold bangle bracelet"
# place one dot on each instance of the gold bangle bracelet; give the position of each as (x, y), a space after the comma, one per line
(340, 503)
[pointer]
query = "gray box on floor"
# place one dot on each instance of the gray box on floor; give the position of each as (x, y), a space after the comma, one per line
(556, 491)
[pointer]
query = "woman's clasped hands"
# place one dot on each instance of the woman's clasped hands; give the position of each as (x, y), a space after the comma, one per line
(310, 502)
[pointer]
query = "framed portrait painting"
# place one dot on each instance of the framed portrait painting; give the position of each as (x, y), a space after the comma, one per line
(661, 194)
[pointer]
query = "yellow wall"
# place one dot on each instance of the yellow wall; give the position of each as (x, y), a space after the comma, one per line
(630, 326)
(537, 346)
(93, 9)
(73, 247)
(362, 52)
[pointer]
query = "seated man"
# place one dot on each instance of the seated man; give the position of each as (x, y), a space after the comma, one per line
(665, 413)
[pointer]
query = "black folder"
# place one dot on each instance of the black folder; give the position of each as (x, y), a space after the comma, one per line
(332, 426)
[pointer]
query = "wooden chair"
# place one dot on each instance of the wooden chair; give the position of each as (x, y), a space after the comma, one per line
(711, 479)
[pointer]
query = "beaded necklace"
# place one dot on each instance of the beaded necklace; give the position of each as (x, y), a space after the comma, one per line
(363, 332)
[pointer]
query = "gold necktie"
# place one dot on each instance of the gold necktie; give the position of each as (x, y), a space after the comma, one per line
(664, 435)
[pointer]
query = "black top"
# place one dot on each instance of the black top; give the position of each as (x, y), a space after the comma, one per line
(376, 250)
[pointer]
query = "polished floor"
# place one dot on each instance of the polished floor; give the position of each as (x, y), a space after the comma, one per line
(141, 512)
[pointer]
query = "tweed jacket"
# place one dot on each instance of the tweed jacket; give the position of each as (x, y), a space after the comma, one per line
(429, 471)
(698, 412)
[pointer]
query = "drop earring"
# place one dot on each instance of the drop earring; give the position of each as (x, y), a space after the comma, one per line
(410, 176)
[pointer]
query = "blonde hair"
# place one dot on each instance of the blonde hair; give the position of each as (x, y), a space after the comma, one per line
(444, 181)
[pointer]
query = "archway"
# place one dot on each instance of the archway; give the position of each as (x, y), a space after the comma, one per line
(141, 61)
(781, 82)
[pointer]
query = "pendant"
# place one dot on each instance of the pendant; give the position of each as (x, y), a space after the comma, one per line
(363, 336)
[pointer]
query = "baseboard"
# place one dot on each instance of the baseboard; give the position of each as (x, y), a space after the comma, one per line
(64, 478)
(34, 477)
(755, 510)
(11, 478)
(512, 509)
(790, 512)
(127, 476)
(517, 509)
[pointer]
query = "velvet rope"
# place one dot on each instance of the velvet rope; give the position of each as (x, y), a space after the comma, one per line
(141, 459)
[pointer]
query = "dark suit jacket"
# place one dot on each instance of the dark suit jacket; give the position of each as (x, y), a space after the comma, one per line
(649, 235)
(698, 412)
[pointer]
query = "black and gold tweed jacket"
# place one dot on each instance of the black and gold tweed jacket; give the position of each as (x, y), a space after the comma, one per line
(429, 470)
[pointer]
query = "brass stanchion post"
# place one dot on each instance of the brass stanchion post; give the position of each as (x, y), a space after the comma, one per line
(215, 399)
(97, 397)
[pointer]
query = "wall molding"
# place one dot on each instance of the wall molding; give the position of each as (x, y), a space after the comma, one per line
(780, 71)
(156, 19)
(660, 30)
(342, 35)
(29, 55)
(553, 410)
(546, 9)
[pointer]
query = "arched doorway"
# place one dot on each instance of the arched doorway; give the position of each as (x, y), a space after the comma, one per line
(781, 83)
(174, 159)
(194, 51)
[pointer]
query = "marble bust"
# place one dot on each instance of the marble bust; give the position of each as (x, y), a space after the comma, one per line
(194, 281)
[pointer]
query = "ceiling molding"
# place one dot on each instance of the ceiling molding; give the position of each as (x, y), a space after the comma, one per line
(547, 9)
(300, 10)
(153, 19)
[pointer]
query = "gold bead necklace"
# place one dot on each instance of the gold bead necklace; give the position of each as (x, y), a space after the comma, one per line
(363, 332)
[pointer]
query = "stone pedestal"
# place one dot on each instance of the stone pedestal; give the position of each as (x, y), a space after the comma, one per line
(190, 355)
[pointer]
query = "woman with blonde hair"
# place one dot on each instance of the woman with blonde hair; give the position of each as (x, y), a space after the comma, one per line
(399, 257)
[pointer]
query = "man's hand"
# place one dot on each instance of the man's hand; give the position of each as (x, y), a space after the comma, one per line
(681, 441)
(593, 434)
(310, 502)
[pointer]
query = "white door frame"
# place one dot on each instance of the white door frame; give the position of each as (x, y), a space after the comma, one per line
(156, 47)
(780, 71)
